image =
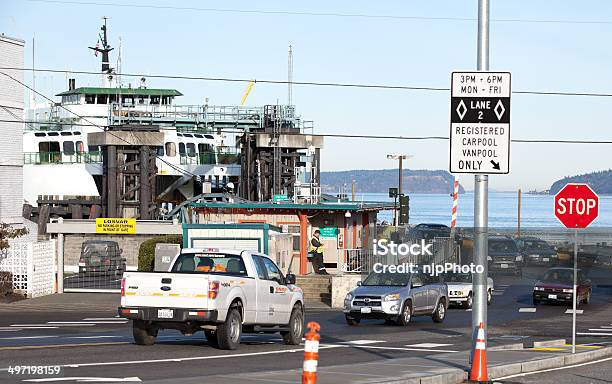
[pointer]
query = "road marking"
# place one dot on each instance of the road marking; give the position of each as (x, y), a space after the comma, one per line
(88, 322)
(10, 330)
(427, 345)
(94, 337)
(554, 369)
(104, 318)
(547, 349)
(527, 310)
(578, 311)
(361, 342)
(27, 337)
(593, 334)
(60, 346)
(87, 379)
(35, 326)
(47, 326)
(469, 310)
(406, 349)
(600, 330)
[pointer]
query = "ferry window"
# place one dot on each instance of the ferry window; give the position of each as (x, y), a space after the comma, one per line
(159, 150)
(141, 100)
(179, 134)
(80, 148)
(191, 149)
(170, 149)
(202, 148)
(112, 99)
(154, 99)
(198, 136)
(53, 134)
(90, 99)
(76, 133)
(127, 100)
(187, 135)
(209, 136)
(65, 133)
(182, 149)
(40, 134)
(68, 147)
(102, 99)
(164, 100)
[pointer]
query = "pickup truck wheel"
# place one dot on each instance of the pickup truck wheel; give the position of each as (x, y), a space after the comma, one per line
(352, 321)
(440, 312)
(405, 315)
(211, 338)
(229, 332)
(144, 334)
(296, 327)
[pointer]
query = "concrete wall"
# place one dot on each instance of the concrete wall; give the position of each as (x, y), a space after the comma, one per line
(341, 285)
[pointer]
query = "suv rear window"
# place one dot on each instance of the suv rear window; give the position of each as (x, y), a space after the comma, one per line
(502, 246)
(212, 263)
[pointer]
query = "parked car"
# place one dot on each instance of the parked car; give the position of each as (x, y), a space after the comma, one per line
(537, 251)
(504, 255)
(557, 285)
(101, 257)
(460, 289)
(396, 297)
(222, 292)
(427, 231)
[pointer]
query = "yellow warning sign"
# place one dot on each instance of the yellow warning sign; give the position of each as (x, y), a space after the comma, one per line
(116, 226)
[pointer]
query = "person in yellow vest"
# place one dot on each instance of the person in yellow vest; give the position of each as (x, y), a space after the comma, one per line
(315, 254)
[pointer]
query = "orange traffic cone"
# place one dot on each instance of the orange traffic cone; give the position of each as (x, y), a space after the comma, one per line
(479, 360)
(311, 353)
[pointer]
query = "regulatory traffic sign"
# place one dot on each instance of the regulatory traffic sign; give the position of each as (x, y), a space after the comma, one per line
(480, 122)
(576, 205)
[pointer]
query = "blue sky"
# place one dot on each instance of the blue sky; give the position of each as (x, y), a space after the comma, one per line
(541, 56)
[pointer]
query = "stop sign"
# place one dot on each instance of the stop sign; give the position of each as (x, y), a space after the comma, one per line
(576, 205)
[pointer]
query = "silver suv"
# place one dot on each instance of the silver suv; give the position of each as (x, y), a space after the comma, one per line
(396, 297)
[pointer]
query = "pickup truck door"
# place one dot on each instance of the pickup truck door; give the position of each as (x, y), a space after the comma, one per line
(264, 311)
(279, 293)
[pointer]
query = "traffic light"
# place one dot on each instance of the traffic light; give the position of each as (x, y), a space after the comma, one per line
(392, 192)
(404, 208)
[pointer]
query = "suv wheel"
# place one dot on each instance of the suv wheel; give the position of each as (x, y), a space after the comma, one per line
(587, 297)
(229, 332)
(352, 321)
(440, 312)
(296, 327)
(489, 297)
(469, 301)
(144, 333)
(405, 314)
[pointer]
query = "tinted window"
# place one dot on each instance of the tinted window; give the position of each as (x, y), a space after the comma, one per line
(182, 149)
(502, 246)
(387, 279)
(191, 151)
(559, 276)
(272, 270)
(261, 273)
(68, 147)
(215, 263)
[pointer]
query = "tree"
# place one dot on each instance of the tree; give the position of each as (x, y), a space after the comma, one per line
(7, 232)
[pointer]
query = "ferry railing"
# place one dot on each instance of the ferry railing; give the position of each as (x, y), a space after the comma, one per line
(38, 158)
(223, 155)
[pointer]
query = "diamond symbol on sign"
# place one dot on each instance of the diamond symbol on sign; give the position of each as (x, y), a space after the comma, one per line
(461, 110)
(499, 109)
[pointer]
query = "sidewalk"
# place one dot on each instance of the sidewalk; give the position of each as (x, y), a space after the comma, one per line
(450, 368)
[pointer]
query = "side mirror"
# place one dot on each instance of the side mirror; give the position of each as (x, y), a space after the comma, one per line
(359, 283)
(290, 278)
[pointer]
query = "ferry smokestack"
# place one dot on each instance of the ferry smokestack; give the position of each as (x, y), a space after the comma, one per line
(71, 84)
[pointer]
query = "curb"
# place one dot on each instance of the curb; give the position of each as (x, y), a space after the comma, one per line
(507, 347)
(548, 343)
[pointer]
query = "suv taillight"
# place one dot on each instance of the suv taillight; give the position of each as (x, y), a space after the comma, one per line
(123, 287)
(213, 289)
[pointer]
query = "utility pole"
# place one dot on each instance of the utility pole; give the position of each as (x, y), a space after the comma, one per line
(481, 191)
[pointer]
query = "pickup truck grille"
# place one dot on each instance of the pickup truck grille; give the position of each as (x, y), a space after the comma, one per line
(553, 290)
(367, 301)
(503, 258)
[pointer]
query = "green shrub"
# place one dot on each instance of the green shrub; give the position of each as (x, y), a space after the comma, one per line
(6, 283)
(146, 253)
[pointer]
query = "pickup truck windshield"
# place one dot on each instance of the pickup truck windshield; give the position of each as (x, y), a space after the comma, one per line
(502, 246)
(214, 263)
(387, 279)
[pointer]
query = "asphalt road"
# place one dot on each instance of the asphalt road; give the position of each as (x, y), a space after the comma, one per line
(84, 336)
(595, 373)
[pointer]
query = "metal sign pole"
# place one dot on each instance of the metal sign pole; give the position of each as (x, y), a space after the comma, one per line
(481, 189)
(574, 293)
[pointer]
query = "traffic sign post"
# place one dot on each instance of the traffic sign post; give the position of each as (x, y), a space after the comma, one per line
(576, 206)
(480, 123)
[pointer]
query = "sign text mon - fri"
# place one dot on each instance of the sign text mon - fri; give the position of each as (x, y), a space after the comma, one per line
(480, 122)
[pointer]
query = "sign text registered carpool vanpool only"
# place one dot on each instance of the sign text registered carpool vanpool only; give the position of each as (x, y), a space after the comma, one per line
(480, 122)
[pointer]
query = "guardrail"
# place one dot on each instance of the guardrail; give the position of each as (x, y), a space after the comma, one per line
(62, 157)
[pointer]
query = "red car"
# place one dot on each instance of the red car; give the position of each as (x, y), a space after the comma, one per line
(557, 286)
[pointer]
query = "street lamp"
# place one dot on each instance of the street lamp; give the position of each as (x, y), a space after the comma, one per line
(401, 158)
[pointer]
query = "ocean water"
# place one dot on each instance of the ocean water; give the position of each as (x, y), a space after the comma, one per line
(536, 210)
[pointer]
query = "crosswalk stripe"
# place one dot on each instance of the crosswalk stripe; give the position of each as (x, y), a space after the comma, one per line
(527, 310)
(427, 345)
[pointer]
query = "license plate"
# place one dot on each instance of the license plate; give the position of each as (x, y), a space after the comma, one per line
(552, 296)
(545, 259)
(165, 313)
(366, 310)
(504, 265)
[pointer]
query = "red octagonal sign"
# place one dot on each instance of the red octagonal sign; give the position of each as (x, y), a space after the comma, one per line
(576, 205)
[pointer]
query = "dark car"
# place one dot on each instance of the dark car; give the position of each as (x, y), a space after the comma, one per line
(428, 231)
(537, 251)
(557, 286)
(101, 257)
(504, 255)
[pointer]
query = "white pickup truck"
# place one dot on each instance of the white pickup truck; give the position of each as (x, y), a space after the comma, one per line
(223, 292)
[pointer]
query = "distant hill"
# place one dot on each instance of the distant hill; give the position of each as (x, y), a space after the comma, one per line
(380, 180)
(600, 182)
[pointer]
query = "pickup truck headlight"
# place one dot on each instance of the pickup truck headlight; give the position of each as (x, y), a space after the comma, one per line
(569, 290)
(391, 297)
(348, 297)
(519, 258)
(489, 258)
(538, 288)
